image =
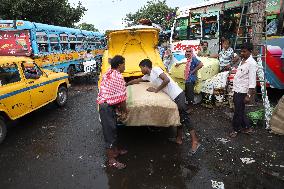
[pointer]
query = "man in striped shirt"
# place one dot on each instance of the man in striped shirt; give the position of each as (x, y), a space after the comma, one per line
(112, 98)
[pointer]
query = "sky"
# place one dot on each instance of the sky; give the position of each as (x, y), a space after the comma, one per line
(108, 14)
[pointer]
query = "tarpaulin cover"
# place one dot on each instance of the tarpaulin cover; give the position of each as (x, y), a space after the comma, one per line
(150, 109)
(277, 119)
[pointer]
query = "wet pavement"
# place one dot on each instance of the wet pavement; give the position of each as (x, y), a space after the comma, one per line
(63, 148)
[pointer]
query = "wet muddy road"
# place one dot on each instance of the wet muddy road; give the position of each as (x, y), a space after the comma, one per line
(64, 148)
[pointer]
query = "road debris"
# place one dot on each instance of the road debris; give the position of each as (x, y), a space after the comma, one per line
(247, 160)
(187, 134)
(217, 185)
(223, 140)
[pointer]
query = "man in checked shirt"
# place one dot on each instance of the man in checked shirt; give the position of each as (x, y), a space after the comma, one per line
(244, 84)
(112, 98)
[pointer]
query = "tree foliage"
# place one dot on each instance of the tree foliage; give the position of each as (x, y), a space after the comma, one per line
(85, 26)
(55, 12)
(155, 10)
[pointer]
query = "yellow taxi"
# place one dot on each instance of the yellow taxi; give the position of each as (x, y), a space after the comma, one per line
(25, 87)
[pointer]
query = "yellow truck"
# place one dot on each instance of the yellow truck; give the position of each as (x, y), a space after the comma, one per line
(135, 44)
(25, 87)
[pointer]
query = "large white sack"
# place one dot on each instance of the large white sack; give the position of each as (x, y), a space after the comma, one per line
(150, 109)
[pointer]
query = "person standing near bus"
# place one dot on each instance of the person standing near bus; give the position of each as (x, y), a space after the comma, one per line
(190, 73)
(88, 55)
(226, 56)
(204, 51)
(112, 98)
(244, 89)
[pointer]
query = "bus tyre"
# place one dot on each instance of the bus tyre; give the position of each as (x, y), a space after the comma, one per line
(71, 73)
(3, 129)
(62, 96)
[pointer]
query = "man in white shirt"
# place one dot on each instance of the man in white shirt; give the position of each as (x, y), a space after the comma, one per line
(163, 82)
(244, 84)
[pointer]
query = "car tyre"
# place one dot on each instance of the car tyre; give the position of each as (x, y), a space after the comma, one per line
(3, 129)
(62, 96)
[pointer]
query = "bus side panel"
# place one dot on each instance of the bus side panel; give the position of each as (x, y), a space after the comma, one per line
(274, 74)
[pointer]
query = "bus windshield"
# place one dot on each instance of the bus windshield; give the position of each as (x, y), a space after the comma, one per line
(15, 43)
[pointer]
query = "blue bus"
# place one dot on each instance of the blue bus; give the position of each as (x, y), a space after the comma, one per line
(51, 47)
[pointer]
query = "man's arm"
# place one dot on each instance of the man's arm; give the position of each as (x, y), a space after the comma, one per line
(122, 107)
(178, 64)
(165, 79)
(123, 111)
(252, 82)
(200, 65)
(134, 81)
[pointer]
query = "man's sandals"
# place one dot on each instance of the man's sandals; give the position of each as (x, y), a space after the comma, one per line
(248, 131)
(234, 134)
(192, 151)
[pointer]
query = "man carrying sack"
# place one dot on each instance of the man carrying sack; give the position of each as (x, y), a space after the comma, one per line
(164, 83)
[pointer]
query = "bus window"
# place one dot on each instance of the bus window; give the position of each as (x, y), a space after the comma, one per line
(210, 27)
(42, 42)
(90, 42)
(54, 42)
(64, 42)
(93, 43)
(80, 43)
(72, 39)
(194, 28)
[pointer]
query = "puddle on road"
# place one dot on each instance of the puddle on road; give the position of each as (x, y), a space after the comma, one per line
(152, 162)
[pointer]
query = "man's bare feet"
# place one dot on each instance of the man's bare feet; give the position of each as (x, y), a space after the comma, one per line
(179, 140)
(195, 146)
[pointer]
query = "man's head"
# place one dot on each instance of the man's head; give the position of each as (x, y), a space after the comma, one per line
(118, 63)
(145, 66)
(204, 45)
(246, 50)
(188, 53)
(225, 44)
